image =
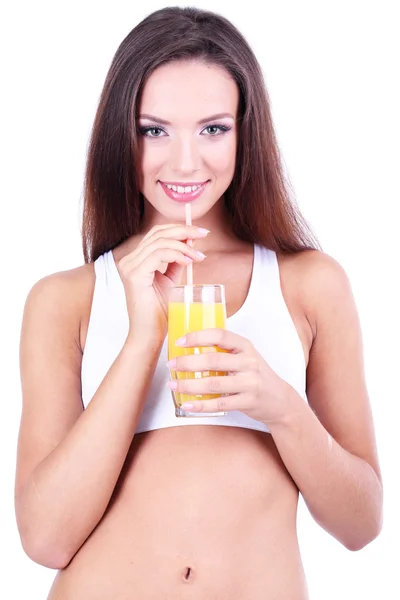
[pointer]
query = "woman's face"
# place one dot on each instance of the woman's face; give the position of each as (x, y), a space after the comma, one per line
(182, 140)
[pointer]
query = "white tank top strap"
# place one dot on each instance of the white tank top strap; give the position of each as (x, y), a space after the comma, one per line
(104, 268)
(264, 286)
(269, 282)
(267, 272)
(108, 279)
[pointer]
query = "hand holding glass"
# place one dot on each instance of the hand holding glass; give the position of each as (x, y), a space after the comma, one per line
(194, 308)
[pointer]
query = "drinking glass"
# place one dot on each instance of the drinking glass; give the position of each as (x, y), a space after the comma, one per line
(193, 308)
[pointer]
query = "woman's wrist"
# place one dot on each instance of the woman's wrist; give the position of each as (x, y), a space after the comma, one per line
(139, 342)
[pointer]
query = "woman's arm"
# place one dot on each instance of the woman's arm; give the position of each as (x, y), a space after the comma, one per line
(330, 449)
(69, 460)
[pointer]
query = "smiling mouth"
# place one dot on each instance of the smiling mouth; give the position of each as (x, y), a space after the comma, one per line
(183, 187)
(183, 193)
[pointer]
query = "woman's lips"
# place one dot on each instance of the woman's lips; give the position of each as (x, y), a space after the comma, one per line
(189, 197)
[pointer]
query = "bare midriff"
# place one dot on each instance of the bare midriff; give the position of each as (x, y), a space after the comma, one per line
(200, 512)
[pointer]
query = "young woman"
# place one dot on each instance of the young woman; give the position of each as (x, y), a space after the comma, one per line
(112, 489)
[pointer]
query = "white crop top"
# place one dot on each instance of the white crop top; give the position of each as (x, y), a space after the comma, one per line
(263, 318)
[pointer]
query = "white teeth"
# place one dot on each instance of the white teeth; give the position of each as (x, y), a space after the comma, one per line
(183, 190)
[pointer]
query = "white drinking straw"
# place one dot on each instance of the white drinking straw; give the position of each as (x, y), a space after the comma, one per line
(189, 268)
(188, 289)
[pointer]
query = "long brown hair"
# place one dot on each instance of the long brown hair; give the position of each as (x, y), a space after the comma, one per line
(258, 199)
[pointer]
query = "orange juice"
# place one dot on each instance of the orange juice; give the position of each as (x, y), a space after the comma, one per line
(187, 317)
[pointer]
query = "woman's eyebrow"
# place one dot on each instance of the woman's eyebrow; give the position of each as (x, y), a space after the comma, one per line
(201, 122)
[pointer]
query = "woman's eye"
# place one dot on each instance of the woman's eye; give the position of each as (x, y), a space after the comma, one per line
(215, 130)
(154, 131)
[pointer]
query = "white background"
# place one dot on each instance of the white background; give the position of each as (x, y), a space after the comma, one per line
(332, 74)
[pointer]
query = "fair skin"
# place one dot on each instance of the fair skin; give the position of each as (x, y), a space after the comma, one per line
(186, 150)
(180, 151)
(326, 448)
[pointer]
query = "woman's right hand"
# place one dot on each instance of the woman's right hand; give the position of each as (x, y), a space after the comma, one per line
(147, 273)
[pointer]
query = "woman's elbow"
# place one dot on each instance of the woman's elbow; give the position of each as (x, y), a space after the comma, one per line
(39, 540)
(356, 544)
(44, 552)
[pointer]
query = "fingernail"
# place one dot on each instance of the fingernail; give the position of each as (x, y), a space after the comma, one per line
(200, 254)
(181, 341)
(172, 385)
(171, 363)
(202, 230)
(187, 406)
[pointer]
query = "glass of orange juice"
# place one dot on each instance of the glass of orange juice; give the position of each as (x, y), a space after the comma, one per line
(192, 308)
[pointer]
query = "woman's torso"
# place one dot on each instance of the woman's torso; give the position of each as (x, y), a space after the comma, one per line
(201, 511)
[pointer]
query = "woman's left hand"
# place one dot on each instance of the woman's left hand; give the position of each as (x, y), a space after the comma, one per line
(252, 386)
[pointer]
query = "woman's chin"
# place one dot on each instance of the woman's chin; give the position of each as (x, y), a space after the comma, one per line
(172, 214)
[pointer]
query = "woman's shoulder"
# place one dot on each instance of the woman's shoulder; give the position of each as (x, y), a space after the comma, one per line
(317, 279)
(65, 294)
(64, 285)
(312, 264)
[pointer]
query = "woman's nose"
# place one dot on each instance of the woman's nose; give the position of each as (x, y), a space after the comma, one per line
(185, 157)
